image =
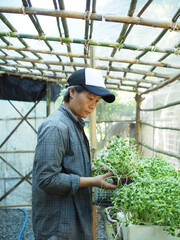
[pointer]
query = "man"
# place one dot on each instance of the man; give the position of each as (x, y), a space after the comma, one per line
(61, 199)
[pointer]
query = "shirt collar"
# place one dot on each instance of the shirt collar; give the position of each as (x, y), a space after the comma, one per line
(79, 121)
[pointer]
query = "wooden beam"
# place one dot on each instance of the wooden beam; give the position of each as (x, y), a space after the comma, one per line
(162, 107)
(172, 79)
(161, 151)
(93, 141)
(139, 100)
(164, 128)
(93, 16)
(84, 56)
(82, 65)
(90, 42)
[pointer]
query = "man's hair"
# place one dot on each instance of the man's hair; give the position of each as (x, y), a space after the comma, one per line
(78, 89)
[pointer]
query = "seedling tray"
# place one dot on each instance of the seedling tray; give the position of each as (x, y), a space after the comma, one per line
(103, 197)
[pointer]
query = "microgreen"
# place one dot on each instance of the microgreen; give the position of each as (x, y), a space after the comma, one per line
(120, 157)
(154, 196)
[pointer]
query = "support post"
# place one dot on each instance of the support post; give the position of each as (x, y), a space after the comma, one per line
(93, 141)
(47, 99)
(138, 99)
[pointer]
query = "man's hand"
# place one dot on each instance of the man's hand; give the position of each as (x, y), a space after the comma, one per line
(97, 181)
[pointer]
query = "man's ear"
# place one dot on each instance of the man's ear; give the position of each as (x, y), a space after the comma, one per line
(72, 91)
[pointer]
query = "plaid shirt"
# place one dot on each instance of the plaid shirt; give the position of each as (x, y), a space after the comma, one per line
(62, 156)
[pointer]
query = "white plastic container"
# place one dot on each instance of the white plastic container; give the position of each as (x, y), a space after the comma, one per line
(142, 232)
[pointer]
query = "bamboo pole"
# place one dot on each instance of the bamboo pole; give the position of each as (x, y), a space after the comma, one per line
(12, 167)
(159, 37)
(93, 141)
(15, 186)
(160, 151)
(162, 107)
(16, 206)
(93, 16)
(121, 89)
(9, 25)
(131, 80)
(50, 79)
(124, 84)
(167, 128)
(139, 100)
(47, 99)
(143, 22)
(93, 114)
(87, 24)
(139, 15)
(91, 42)
(113, 121)
(66, 31)
(24, 151)
(172, 79)
(37, 25)
(37, 77)
(164, 57)
(116, 69)
(22, 116)
(123, 31)
(10, 134)
(136, 71)
(55, 71)
(70, 54)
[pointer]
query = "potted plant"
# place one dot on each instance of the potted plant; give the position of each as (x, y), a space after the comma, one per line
(120, 158)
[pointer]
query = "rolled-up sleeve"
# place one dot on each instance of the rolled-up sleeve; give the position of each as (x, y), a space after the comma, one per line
(48, 170)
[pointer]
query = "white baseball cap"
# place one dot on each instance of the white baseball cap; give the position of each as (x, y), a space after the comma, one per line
(92, 80)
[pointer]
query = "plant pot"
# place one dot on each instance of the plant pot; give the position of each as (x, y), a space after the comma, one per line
(144, 232)
(124, 180)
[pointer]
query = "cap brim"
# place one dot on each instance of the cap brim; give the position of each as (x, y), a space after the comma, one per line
(102, 92)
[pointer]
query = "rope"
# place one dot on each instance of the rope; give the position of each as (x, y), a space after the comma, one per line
(176, 51)
(10, 45)
(61, 40)
(137, 60)
(23, 10)
(41, 35)
(72, 64)
(108, 69)
(86, 45)
(87, 15)
(153, 48)
(103, 18)
(139, 49)
(173, 26)
(8, 34)
(120, 46)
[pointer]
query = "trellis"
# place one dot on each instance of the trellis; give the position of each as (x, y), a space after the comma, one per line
(49, 72)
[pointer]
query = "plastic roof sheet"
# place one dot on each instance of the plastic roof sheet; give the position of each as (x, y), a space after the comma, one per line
(136, 43)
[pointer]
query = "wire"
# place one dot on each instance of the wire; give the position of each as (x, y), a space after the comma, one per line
(23, 227)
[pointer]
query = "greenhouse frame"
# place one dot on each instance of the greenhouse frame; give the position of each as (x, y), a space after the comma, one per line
(135, 46)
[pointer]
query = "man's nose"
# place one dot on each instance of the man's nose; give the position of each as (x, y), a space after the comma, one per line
(92, 106)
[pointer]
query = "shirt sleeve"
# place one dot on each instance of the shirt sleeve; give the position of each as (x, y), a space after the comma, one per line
(49, 154)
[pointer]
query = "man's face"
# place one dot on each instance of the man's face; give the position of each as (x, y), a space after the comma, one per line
(82, 104)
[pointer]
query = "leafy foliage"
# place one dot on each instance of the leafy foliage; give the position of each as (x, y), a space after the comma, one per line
(120, 158)
(154, 196)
